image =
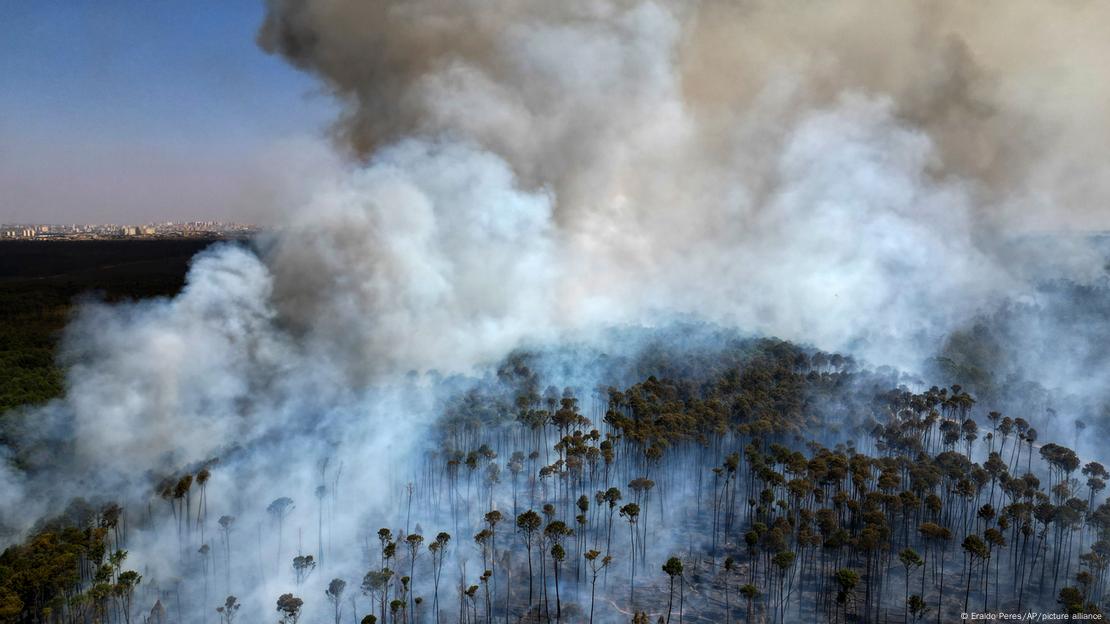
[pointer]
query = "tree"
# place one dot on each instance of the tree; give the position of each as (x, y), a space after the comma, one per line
(279, 509)
(181, 496)
(909, 559)
(595, 568)
(916, 607)
(750, 593)
(226, 523)
(385, 536)
(994, 538)
(612, 497)
(631, 512)
(228, 610)
(728, 567)
(934, 533)
(205, 553)
(528, 523)
(558, 554)
(846, 579)
(289, 606)
(303, 565)
(125, 587)
(555, 532)
(334, 593)
(470, 594)
(492, 518)
(438, 548)
(976, 550)
(673, 568)
(202, 505)
(375, 585)
(414, 540)
(783, 560)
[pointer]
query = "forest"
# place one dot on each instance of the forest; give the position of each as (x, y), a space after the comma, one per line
(41, 283)
(740, 479)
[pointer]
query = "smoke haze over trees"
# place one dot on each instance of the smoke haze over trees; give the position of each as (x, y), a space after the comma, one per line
(552, 266)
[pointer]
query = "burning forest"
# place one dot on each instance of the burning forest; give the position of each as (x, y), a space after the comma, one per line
(614, 311)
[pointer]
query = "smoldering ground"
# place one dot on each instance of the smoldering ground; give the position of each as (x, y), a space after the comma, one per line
(857, 177)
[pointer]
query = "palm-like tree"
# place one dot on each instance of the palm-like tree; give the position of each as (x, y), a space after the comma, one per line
(375, 586)
(303, 565)
(228, 610)
(673, 568)
(492, 518)
(976, 550)
(226, 523)
(289, 606)
(916, 607)
(631, 512)
(279, 509)
(334, 594)
(555, 532)
(935, 534)
(596, 566)
(783, 560)
(527, 524)
(846, 579)
(909, 559)
(438, 548)
(750, 593)
(414, 540)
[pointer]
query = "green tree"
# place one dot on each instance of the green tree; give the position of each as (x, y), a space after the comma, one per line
(975, 550)
(750, 593)
(846, 579)
(527, 524)
(414, 540)
(673, 568)
(555, 532)
(596, 566)
(916, 607)
(910, 560)
(631, 512)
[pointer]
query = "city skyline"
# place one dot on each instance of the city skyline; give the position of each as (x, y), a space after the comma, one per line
(97, 231)
(135, 112)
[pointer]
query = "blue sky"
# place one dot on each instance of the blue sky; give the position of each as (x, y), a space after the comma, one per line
(132, 110)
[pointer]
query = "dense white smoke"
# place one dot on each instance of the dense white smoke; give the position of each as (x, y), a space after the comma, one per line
(853, 175)
(845, 174)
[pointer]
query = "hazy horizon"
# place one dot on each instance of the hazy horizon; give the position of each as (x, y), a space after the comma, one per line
(143, 112)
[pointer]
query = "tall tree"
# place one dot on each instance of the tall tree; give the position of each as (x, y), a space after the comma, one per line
(596, 566)
(334, 594)
(279, 509)
(673, 569)
(528, 523)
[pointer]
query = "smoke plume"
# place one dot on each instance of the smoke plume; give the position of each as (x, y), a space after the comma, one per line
(842, 173)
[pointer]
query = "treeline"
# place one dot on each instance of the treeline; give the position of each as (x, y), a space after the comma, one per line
(40, 284)
(71, 570)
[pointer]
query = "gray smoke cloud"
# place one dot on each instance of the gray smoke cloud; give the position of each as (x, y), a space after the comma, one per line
(858, 176)
(839, 173)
